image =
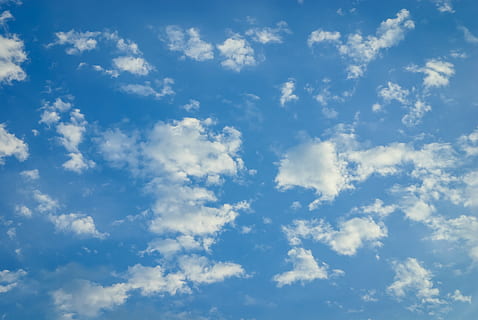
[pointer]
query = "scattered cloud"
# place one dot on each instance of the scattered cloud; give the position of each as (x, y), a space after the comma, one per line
(9, 279)
(287, 92)
(135, 65)
(469, 37)
(437, 73)
(305, 268)
(77, 42)
(78, 224)
(189, 43)
(164, 88)
(360, 51)
(269, 35)
(237, 53)
(10, 145)
(346, 240)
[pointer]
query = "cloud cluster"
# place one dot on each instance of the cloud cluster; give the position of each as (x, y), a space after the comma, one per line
(360, 50)
(10, 145)
(189, 43)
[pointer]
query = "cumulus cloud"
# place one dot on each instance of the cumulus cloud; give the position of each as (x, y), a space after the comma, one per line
(9, 279)
(193, 105)
(199, 270)
(392, 92)
(437, 73)
(346, 240)
(237, 53)
(77, 42)
(378, 208)
(164, 88)
(313, 165)
(10, 145)
(135, 65)
(305, 268)
(31, 174)
(189, 43)
(444, 5)
(88, 299)
(78, 224)
(412, 278)
(269, 35)
(154, 280)
(12, 55)
(458, 296)
(45, 202)
(360, 50)
(287, 92)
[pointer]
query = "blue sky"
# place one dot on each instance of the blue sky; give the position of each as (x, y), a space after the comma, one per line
(238, 159)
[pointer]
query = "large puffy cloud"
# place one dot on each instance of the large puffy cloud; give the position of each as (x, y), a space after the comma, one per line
(362, 50)
(237, 53)
(305, 268)
(189, 43)
(313, 165)
(10, 145)
(346, 240)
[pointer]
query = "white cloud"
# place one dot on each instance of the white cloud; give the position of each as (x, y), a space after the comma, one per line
(12, 55)
(45, 202)
(200, 270)
(378, 208)
(123, 45)
(88, 299)
(444, 5)
(437, 72)
(9, 279)
(169, 247)
(412, 278)
(23, 210)
(5, 16)
(305, 268)
(193, 105)
(78, 224)
(320, 35)
(469, 143)
(469, 37)
(31, 174)
(189, 43)
(313, 165)
(135, 65)
(77, 163)
(458, 296)
(392, 92)
(146, 89)
(153, 280)
(267, 34)
(362, 50)
(237, 53)
(287, 92)
(416, 113)
(10, 145)
(346, 240)
(78, 41)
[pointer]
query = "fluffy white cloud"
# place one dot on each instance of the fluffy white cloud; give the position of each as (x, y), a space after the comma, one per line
(23, 210)
(416, 113)
(135, 65)
(392, 92)
(10, 145)
(412, 278)
(45, 202)
(320, 35)
(12, 55)
(458, 296)
(267, 34)
(88, 299)
(237, 53)
(305, 268)
(200, 270)
(189, 43)
(169, 247)
(362, 50)
(78, 224)
(287, 92)
(164, 89)
(469, 143)
(313, 165)
(153, 280)
(378, 208)
(78, 41)
(346, 240)
(9, 279)
(444, 5)
(437, 72)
